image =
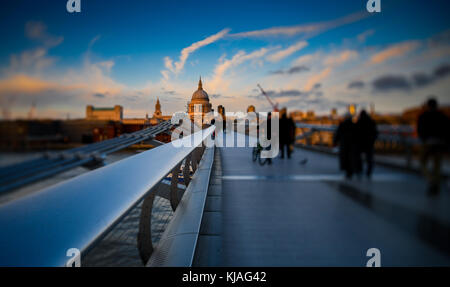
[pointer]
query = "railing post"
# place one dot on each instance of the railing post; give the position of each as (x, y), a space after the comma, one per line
(196, 156)
(187, 170)
(174, 199)
(144, 237)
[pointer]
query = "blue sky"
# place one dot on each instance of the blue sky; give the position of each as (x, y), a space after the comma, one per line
(306, 54)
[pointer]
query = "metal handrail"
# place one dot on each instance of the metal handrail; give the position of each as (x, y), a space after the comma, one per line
(178, 243)
(39, 229)
(15, 176)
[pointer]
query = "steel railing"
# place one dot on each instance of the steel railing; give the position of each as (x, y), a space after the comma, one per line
(18, 175)
(39, 229)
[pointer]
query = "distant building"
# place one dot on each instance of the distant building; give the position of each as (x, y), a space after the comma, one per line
(157, 113)
(310, 114)
(372, 109)
(297, 115)
(154, 120)
(334, 113)
(199, 102)
(104, 114)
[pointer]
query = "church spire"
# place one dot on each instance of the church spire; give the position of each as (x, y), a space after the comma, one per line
(200, 86)
(157, 108)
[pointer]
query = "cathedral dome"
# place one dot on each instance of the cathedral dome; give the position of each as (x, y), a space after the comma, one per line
(200, 94)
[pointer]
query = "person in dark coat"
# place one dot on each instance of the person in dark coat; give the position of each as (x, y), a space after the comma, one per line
(433, 130)
(345, 136)
(287, 133)
(367, 134)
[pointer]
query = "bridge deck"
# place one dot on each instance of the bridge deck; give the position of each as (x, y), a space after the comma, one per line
(289, 214)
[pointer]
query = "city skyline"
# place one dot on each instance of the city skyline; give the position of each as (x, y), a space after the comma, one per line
(305, 57)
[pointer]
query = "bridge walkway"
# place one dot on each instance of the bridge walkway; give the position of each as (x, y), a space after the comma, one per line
(293, 214)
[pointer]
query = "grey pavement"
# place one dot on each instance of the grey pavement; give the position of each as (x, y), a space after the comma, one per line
(293, 214)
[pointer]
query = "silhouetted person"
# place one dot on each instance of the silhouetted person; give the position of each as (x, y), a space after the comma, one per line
(367, 134)
(433, 130)
(287, 133)
(345, 136)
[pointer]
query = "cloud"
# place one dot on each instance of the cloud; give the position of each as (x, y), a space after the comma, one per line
(440, 39)
(282, 94)
(31, 61)
(307, 30)
(99, 95)
(442, 71)
(394, 51)
(423, 79)
(165, 74)
(287, 52)
(288, 93)
(389, 83)
(171, 93)
(35, 30)
(217, 82)
(177, 67)
(291, 71)
(313, 80)
(364, 35)
(93, 41)
(107, 65)
(356, 85)
(291, 93)
(305, 59)
(24, 84)
(65, 91)
(341, 58)
(34, 60)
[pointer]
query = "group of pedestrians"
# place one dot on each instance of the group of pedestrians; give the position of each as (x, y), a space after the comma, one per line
(356, 140)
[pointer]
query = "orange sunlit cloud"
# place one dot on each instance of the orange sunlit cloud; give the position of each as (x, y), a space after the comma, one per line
(394, 51)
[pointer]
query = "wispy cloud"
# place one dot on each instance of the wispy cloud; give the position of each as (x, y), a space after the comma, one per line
(313, 80)
(340, 58)
(306, 30)
(364, 35)
(394, 51)
(34, 60)
(36, 30)
(287, 52)
(306, 59)
(291, 71)
(225, 64)
(177, 67)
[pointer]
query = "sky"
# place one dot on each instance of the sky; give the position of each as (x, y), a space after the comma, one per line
(307, 55)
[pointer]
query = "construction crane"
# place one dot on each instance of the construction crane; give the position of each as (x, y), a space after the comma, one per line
(274, 105)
